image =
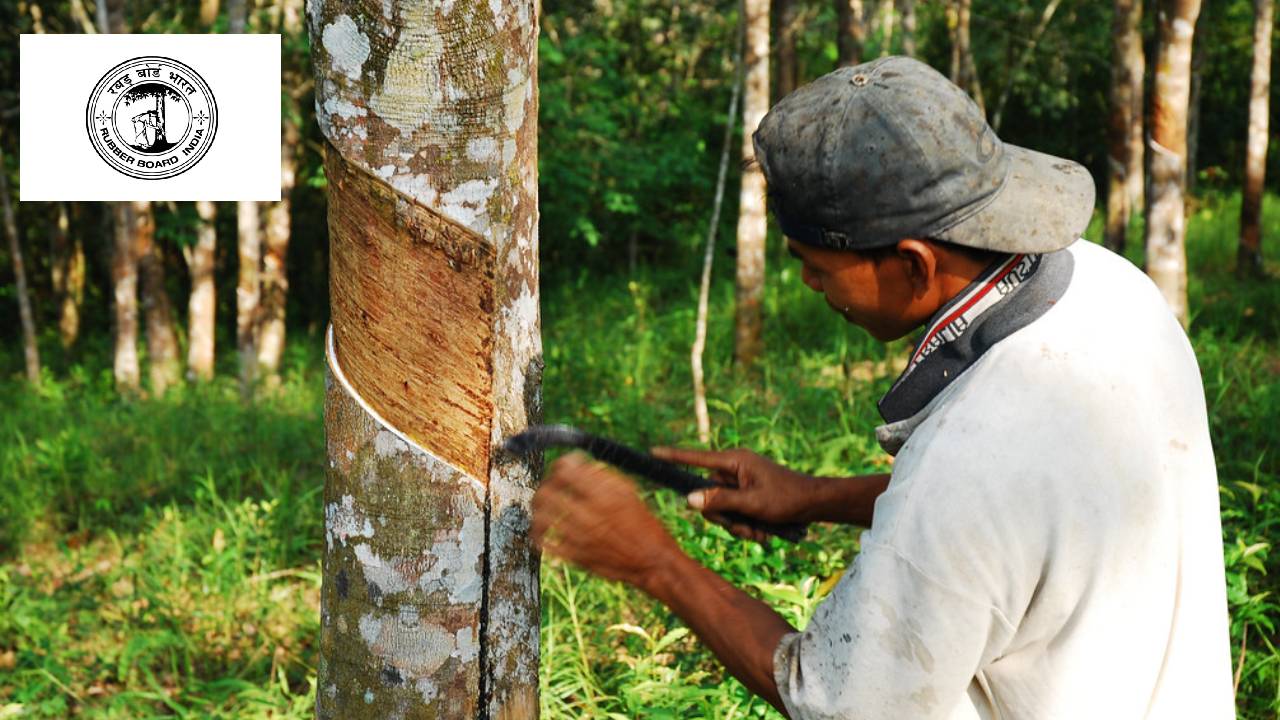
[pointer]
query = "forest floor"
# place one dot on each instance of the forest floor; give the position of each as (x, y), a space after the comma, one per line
(161, 557)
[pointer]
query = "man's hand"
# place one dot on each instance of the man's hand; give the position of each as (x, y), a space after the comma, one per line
(592, 516)
(757, 487)
(754, 486)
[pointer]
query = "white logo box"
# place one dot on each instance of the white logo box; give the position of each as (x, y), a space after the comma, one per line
(57, 157)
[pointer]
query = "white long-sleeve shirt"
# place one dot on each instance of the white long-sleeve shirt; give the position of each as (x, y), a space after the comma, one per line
(1049, 545)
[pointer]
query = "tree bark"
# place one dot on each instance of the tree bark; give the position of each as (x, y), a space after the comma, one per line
(203, 302)
(275, 278)
(1125, 114)
(429, 606)
(964, 72)
(162, 340)
(1166, 219)
(785, 33)
(30, 351)
(208, 12)
(708, 256)
(1193, 105)
(248, 292)
(851, 32)
(751, 208)
(1249, 257)
(124, 283)
(67, 272)
(111, 16)
(884, 17)
(237, 11)
(907, 8)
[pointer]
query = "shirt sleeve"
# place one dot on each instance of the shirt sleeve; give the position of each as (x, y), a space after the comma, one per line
(888, 642)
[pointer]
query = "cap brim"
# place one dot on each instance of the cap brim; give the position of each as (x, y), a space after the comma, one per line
(1044, 205)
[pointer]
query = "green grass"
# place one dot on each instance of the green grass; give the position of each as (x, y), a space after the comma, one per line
(160, 557)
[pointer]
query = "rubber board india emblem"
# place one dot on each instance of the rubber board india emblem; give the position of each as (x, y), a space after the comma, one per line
(151, 117)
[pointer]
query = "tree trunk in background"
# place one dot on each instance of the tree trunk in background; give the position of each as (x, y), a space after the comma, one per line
(1125, 113)
(1193, 106)
(275, 278)
(203, 303)
(1249, 258)
(1166, 219)
(907, 8)
(209, 12)
(963, 70)
(785, 35)
(248, 292)
(30, 351)
(851, 33)
(162, 340)
(111, 16)
(67, 271)
(751, 209)
(236, 11)
(700, 413)
(884, 18)
(429, 603)
(124, 283)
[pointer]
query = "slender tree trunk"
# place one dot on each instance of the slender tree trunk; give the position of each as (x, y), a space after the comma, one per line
(67, 274)
(884, 17)
(236, 15)
(963, 70)
(708, 256)
(124, 283)
(1249, 259)
(907, 8)
(248, 292)
(275, 278)
(851, 32)
(1166, 219)
(162, 340)
(751, 209)
(1046, 16)
(203, 303)
(30, 351)
(1125, 114)
(784, 13)
(111, 16)
(429, 605)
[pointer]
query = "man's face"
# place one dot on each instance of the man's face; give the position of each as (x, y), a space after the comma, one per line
(876, 294)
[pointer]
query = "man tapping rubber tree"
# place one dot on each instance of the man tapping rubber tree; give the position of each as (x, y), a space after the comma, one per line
(1048, 544)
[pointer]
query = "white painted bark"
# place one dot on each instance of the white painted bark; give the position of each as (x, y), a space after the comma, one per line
(203, 302)
(1166, 218)
(1249, 258)
(751, 203)
(430, 113)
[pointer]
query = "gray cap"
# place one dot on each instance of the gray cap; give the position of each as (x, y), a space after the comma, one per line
(867, 155)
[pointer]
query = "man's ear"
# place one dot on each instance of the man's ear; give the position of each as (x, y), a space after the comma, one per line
(921, 264)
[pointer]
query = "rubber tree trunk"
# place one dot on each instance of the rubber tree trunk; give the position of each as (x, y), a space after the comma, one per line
(784, 15)
(907, 8)
(964, 72)
(1249, 260)
(162, 341)
(885, 19)
(1166, 219)
(1193, 104)
(248, 292)
(1125, 113)
(275, 278)
(30, 351)
(429, 605)
(208, 12)
(851, 31)
(124, 284)
(67, 271)
(751, 209)
(203, 303)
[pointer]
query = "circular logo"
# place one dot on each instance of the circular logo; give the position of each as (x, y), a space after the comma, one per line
(151, 117)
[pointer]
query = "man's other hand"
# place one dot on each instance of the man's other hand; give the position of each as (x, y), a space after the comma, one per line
(591, 515)
(754, 486)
